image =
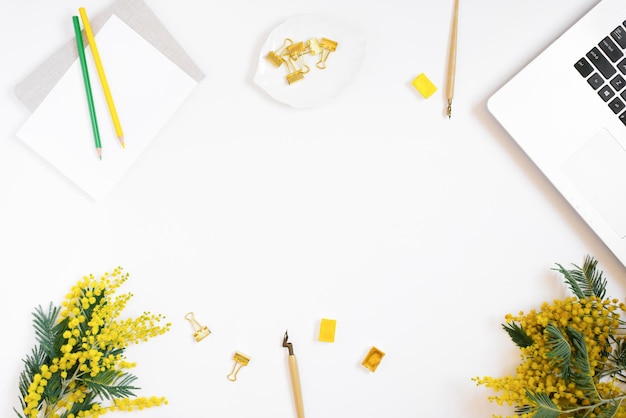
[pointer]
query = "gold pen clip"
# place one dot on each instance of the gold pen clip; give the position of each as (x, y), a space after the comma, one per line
(200, 331)
(241, 360)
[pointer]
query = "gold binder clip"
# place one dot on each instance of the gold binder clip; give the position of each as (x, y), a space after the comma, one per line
(276, 57)
(296, 53)
(313, 46)
(294, 74)
(200, 331)
(241, 360)
(295, 50)
(327, 46)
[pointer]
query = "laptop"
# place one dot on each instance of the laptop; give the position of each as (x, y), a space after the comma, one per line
(567, 111)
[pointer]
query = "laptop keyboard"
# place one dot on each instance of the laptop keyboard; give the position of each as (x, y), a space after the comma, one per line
(604, 68)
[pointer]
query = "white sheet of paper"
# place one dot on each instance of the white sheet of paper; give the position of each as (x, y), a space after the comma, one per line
(147, 89)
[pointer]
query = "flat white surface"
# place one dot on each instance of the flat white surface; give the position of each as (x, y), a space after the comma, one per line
(415, 232)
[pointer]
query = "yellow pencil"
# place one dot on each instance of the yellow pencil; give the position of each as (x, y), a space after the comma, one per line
(103, 79)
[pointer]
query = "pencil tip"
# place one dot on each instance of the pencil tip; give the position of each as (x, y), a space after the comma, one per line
(121, 138)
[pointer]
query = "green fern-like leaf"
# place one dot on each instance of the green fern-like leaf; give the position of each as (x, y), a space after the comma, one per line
(609, 410)
(583, 377)
(46, 330)
(619, 355)
(111, 384)
(560, 351)
(54, 389)
(518, 335)
(543, 407)
(49, 335)
(616, 366)
(32, 365)
(586, 281)
(524, 409)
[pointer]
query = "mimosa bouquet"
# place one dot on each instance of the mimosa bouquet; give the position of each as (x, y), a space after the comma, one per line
(573, 353)
(78, 367)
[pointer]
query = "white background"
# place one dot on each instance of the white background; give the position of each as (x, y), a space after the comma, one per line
(415, 232)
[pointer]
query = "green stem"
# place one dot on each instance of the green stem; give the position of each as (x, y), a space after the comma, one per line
(64, 385)
(592, 407)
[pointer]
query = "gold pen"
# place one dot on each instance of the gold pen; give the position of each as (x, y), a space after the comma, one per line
(295, 378)
(452, 58)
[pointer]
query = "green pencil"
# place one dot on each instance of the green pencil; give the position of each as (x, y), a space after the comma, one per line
(83, 65)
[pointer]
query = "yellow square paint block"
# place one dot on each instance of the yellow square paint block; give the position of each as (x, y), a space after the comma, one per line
(424, 85)
(327, 330)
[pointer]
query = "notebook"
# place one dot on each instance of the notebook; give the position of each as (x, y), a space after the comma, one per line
(148, 87)
(567, 111)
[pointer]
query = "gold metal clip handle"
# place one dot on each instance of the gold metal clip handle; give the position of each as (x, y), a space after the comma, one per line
(200, 332)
